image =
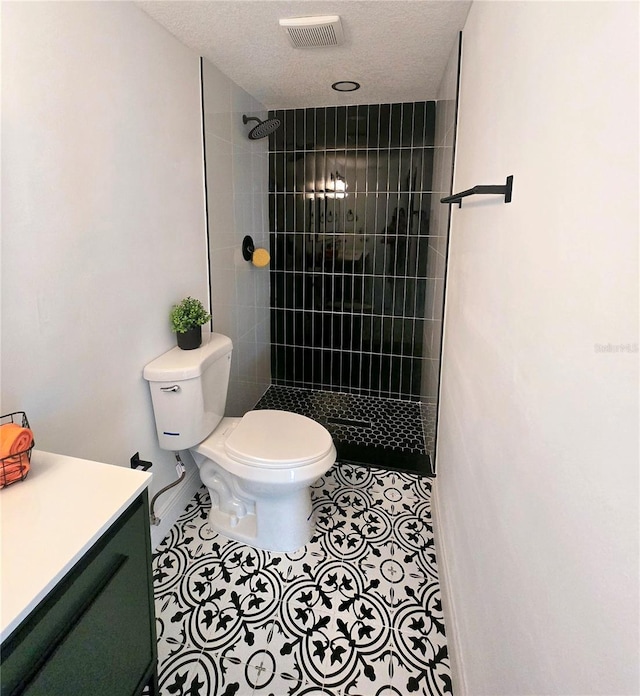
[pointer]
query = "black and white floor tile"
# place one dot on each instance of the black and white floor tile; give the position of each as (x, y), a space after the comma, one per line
(366, 429)
(356, 612)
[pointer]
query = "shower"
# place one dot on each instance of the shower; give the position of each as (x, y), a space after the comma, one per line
(263, 129)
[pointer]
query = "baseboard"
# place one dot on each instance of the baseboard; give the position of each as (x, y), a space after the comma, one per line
(172, 504)
(451, 625)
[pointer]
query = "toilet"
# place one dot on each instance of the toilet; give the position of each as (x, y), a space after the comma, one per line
(258, 468)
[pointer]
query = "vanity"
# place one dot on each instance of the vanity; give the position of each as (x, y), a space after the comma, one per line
(76, 591)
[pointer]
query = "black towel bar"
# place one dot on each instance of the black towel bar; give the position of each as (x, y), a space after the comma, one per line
(502, 189)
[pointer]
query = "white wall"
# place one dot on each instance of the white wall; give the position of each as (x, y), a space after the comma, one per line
(538, 448)
(102, 220)
(237, 191)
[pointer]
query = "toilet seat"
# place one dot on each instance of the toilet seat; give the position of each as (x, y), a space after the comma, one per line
(277, 440)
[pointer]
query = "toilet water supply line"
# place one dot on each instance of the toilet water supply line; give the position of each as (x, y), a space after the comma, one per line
(182, 472)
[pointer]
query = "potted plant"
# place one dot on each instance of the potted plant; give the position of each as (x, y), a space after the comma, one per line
(187, 318)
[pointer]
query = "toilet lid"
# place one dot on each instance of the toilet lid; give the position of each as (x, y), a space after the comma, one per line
(278, 440)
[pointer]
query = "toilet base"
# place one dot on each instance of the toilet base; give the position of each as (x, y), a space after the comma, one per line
(282, 524)
(265, 508)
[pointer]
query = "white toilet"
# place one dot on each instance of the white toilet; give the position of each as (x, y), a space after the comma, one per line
(258, 468)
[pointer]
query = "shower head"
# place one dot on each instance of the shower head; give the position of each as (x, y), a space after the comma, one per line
(263, 129)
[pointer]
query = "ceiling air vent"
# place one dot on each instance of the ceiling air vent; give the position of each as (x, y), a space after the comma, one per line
(313, 32)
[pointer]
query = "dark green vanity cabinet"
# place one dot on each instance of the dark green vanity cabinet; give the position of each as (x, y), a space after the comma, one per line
(94, 634)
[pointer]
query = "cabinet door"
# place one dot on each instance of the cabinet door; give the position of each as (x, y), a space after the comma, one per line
(97, 638)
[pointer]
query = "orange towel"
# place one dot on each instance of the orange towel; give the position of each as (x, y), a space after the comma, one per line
(14, 441)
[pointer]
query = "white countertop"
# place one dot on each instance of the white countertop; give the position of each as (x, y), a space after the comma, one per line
(50, 520)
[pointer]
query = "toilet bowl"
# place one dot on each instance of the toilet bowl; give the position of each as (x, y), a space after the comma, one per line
(258, 468)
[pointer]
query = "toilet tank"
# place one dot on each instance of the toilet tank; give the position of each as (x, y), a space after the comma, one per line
(189, 391)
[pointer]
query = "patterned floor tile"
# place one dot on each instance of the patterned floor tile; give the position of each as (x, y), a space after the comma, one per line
(397, 577)
(212, 675)
(353, 476)
(356, 612)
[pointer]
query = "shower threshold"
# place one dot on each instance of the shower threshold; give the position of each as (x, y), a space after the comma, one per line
(379, 457)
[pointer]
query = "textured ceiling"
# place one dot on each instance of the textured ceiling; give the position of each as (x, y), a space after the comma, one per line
(396, 49)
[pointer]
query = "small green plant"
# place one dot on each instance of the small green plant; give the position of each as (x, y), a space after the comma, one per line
(188, 314)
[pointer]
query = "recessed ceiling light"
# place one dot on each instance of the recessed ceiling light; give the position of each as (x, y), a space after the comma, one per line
(345, 86)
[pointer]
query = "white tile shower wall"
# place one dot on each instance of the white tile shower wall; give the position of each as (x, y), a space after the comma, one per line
(237, 188)
(102, 220)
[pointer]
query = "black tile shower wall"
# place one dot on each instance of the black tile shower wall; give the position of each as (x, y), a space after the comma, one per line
(350, 195)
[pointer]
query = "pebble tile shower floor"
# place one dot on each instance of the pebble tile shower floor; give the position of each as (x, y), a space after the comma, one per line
(396, 434)
(356, 612)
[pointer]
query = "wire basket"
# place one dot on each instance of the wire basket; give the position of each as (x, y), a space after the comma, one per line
(15, 467)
